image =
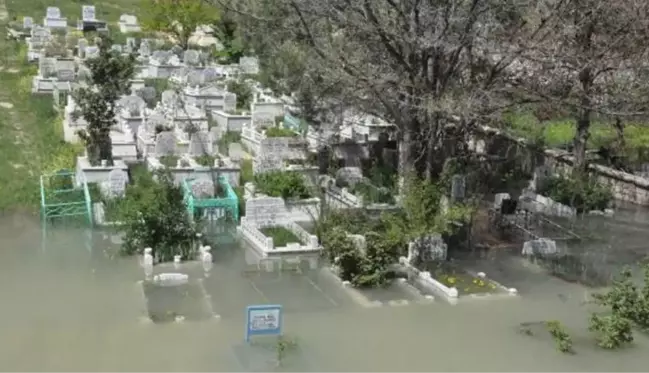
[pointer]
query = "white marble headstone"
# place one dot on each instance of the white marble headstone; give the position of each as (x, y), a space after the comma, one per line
(249, 65)
(117, 180)
(88, 13)
(235, 152)
(91, 51)
(229, 102)
(53, 12)
(28, 22)
(65, 75)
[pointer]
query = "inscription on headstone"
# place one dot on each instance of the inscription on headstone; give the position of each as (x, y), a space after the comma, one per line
(88, 13)
(53, 12)
(65, 75)
(458, 188)
(117, 180)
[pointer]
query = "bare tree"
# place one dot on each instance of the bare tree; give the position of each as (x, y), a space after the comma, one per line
(415, 63)
(593, 65)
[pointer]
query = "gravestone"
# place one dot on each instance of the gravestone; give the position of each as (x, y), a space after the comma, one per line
(53, 12)
(266, 211)
(88, 13)
(202, 189)
(168, 98)
(499, 198)
(65, 75)
(428, 248)
(116, 47)
(249, 65)
(165, 144)
(46, 67)
(82, 44)
(83, 73)
(191, 57)
(91, 51)
(28, 23)
(145, 48)
(458, 188)
(541, 176)
(131, 43)
(540, 247)
(349, 175)
(200, 143)
(117, 180)
(229, 102)
(235, 152)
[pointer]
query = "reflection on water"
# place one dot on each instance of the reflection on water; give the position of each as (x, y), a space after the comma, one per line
(65, 308)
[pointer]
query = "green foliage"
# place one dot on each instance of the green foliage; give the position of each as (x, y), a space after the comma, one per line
(205, 160)
(363, 268)
(624, 304)
(372, 194)
(280, 132)
(110, 79)
(154, 215)
(560, 336)
(169, 160)
(160, 85)
(284, 345)
(227, 31)
(285, 184)
(243, 92)
(226, 139)
(582, 193)
(280, 235)
(178, 18)
(246, 175)
(613, 331)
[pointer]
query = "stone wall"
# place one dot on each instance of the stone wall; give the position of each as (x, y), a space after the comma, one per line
(625, 187)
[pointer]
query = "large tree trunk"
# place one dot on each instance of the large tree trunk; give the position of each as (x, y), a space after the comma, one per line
(106, 150)
(580, 142)
(407, 152)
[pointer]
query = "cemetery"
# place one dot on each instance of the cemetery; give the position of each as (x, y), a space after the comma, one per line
(310, 193)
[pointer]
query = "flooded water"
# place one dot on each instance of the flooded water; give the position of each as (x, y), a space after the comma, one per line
(67, 308)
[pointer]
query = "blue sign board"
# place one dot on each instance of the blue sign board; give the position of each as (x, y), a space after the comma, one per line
(263, 320)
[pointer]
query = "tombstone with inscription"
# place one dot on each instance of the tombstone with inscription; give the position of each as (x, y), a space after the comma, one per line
(200, 144)
(128, 23)
(249, 65)
(117, 180)
(28, 23)
(91, 51)
(191, 58)
(53, 18)
(145, 48)
(540, 247)
(165, 144)
(65, 75)
(427, 249)
(540, 178)
(89, 21)
(229, 102)
(47, 67)
(458, 188)
(235, 152)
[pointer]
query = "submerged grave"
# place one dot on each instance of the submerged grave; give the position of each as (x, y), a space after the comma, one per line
(179, 302)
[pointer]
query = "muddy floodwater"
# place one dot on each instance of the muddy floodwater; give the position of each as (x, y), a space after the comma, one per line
(65, 307)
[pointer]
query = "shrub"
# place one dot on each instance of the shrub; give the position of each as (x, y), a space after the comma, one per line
(372, 194)
(560, 336)
(581, 193)
(155, 216)
(280, 132)
(285, 184)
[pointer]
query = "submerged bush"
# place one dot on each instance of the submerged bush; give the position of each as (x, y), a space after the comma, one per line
(582, 193)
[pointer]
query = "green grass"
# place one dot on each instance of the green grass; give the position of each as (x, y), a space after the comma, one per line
(559, 133)
(280, 132)
(280, 235)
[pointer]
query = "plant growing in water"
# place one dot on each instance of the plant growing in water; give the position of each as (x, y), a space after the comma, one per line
(283, 346)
